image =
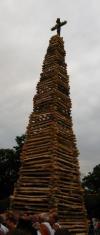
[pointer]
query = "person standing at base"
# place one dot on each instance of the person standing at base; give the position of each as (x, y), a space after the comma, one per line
(3, 229)
(91, 228)
(98, 228)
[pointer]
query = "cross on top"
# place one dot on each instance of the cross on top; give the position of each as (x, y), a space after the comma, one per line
(58, 25)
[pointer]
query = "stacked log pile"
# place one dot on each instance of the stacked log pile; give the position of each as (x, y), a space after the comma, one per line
(49, 175)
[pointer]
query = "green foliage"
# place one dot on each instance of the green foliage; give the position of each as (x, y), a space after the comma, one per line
(91, 184)
(20, 142)
(9, 167)
(7, 174)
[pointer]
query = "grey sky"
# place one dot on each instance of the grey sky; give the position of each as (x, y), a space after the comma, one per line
(24, 38)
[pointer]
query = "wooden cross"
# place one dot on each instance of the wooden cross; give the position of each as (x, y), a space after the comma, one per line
(58, 25)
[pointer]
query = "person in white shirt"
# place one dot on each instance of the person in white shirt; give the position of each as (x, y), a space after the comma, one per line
(3, 229)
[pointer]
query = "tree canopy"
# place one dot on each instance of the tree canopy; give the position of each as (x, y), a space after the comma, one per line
(91, 185)
(91, 182)
(9, 167)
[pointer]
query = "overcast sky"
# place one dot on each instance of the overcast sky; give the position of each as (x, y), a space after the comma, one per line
(24, 38)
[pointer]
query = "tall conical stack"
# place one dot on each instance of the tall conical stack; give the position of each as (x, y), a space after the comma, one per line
(49, 174)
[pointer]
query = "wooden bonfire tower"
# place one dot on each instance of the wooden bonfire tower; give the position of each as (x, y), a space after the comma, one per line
(49, 175)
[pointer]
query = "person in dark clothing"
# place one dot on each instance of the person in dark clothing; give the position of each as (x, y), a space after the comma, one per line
(62, 231)
(18, 231)
(26, 225)
(91, 229)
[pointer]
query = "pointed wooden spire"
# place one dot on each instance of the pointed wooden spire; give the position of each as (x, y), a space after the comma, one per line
(49, 176)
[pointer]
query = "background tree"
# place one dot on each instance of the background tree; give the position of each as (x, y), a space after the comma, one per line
(9, 167)
(91, 184)
(20, 141)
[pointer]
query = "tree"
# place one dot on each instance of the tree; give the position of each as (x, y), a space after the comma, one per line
(20, 142)
(91, 184)
(7, 171)
(9, 167)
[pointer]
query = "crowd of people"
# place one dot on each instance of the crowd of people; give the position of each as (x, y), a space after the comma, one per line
(24, 223)
(15, 223)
